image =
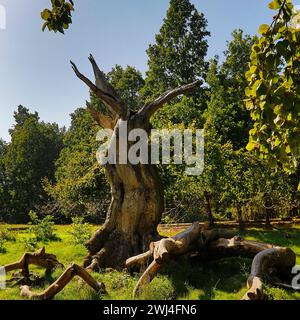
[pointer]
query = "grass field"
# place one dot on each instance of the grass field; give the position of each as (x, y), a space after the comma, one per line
(221, 280)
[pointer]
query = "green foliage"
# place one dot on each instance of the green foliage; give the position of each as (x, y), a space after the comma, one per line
(6, 234)
(178, 57)
(4, 190)
(42, 229)
(2, 246)
(59, 17)
(29, 158)
(226, 111)
(273, 93)
(30, 244)
(128, 82)
(80, 188)
(275, 294)
(161, 288)
(81, 231)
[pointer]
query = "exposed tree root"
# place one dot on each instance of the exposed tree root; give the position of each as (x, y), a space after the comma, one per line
(49, 262)
(269, 263)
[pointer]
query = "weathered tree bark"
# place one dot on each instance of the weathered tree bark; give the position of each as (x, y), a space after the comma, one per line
(137, 196)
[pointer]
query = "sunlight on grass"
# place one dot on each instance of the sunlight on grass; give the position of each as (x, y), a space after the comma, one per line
(181, 279)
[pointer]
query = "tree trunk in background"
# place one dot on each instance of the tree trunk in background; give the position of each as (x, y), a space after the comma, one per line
(269, 210)
(240, 216)
(137, 196)
(208, 209)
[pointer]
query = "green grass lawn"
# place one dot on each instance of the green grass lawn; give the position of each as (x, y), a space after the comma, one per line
(181, 279)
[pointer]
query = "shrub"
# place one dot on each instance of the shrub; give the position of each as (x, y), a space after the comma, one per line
(31, 244)
(2, 246)
(6, 234)
(276, 294)
(81, 231)
(43, 229)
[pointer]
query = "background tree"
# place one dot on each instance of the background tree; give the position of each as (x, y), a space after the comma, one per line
(226, 110)
(176, 57)
(28, 159)
(80, 188)
(128, 83)
(4, 192)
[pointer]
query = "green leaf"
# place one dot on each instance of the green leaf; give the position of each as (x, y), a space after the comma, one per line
(46, 14)
(274, 5)
(263, 29)
(252, 146)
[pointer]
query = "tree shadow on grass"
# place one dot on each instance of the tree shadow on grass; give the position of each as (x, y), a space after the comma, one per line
(195, 280)
(285, 237)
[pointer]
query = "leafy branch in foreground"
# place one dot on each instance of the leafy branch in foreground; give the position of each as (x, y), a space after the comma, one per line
(273, 93)
(59, 17)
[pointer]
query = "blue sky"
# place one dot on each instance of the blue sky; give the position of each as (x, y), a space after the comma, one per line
(34, 66)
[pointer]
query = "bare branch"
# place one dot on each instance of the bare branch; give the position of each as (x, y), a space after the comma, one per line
(115, 105)
(61, 282)
(150, 109)
(39, 258)
(101, 81)
(104, 121)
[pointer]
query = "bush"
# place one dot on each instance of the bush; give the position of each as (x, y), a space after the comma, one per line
(276, 294)
(81, 231)
(44, 229)
(2, 246)
(31, 244)
(6, 234)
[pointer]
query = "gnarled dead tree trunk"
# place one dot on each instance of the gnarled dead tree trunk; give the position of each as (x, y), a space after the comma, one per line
(137, 196)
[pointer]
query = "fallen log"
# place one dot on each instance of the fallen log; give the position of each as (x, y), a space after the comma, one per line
(265, 265)
(50, 262)
(39, 258)
(182, 243)
(269, 260)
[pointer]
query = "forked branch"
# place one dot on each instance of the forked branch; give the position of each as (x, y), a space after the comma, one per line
(61, 282)
(102, 90)
(149, 109)
(49, 261)
(105, 122)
